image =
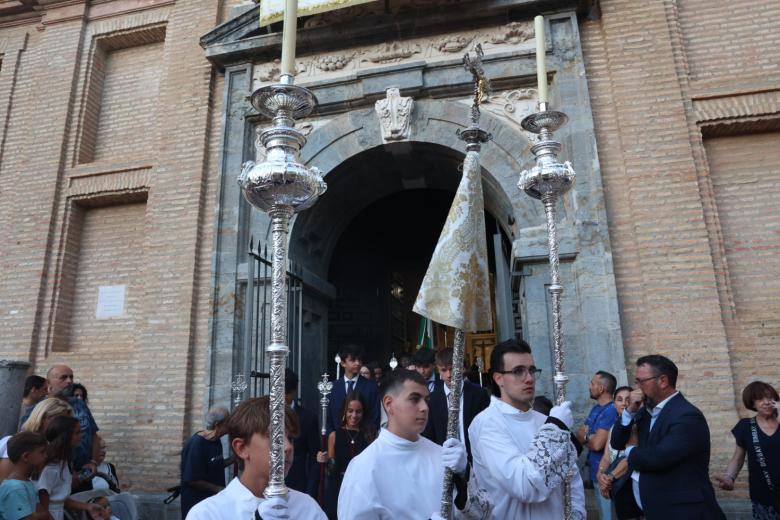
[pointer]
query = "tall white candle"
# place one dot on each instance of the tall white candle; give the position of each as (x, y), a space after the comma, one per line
(541, 65)
(289, 33)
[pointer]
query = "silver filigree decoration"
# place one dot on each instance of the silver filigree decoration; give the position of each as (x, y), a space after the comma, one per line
(238, 386)
(395, 115)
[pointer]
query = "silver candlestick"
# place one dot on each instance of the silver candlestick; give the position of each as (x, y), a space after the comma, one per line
(337, 360)
(280, 186)
(548, 181)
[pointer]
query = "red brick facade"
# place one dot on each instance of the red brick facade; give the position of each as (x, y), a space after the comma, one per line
(111, 131)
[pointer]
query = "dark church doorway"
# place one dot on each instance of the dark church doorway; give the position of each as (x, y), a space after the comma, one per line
(378, 265)
(371, 236)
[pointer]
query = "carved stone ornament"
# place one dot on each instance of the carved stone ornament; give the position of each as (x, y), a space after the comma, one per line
(270, 71)
(395, 115)
(333, 63)
(453, 43)
(393, 52)
(513, 33)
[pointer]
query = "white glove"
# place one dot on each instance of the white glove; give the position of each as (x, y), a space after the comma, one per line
(436, 516)
(453, 454)
(273, 509)
(562, 412)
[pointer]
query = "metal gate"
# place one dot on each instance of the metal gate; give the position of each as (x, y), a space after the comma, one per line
(257, 328)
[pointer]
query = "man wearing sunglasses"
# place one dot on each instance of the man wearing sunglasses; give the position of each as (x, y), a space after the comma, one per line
(521, 457)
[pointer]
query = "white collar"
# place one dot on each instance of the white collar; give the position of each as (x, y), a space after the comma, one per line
(660, 405)
(507, 409)
(398, 442)
(239, 493)
(354, 379)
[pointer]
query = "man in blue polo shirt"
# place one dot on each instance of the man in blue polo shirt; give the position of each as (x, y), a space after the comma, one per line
(594, 434)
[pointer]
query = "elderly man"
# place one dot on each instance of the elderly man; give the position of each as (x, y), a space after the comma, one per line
(202, 461)
(59, 381)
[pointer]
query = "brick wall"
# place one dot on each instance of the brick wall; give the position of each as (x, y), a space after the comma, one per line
(108, 179)
(745, 172)
(129, 100)
(691, 284)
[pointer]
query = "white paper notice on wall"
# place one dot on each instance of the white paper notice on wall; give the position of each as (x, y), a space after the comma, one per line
(111, 301)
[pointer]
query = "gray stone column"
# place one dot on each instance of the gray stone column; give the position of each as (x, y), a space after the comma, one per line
(12, 376)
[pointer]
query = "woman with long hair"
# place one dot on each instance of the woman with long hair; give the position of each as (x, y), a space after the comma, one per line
(614, 465)
(353, 436)
(758, 438)
(54, 484)
(36, 423)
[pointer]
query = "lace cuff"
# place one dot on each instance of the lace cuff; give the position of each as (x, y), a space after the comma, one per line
(552, 454)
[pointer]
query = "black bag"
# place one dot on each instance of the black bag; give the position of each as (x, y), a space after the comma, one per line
(618, 483)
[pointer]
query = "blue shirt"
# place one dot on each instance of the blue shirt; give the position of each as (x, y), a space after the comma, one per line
(599, 418)
(18, 499)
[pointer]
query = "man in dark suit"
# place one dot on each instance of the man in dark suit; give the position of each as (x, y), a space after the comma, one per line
(474, 399)
(304, 474)
(670, 465)
(352, 381)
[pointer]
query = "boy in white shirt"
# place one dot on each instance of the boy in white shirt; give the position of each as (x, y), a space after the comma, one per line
(399, 475)
(242, 499)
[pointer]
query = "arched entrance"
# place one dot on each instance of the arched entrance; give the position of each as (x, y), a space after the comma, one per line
(372, 236)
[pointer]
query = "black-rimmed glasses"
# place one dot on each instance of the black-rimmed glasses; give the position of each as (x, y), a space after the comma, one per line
(522, 371)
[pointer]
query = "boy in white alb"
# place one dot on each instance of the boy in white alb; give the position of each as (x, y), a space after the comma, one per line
(521, 456)
(243, 498)
(399, 476)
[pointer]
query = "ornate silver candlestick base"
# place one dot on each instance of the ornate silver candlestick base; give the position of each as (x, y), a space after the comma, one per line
(547, 181)
(280, 186)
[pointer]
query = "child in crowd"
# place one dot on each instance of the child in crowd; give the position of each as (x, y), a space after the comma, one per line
(243, 498)
(105, 506)
(18, 497)
(54, 484)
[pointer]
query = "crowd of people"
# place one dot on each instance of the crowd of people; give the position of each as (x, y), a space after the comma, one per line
(386, 449)
(56, 463)
(384, 455)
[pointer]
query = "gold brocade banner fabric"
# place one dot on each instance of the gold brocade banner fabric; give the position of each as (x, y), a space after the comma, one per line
(456, 287)
(273, 10)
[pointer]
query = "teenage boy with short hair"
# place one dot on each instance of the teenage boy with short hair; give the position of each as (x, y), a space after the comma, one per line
(248, 430)
(18, 495)
(351, 381)
(399, 475)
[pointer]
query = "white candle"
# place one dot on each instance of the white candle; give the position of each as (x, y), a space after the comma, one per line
(541, 65)
(289, 32)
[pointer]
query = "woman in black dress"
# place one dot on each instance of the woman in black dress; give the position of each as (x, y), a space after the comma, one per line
(758, 438)
(344, 444)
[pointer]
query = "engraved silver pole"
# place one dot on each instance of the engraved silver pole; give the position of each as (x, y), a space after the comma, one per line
(324, 386)
(474, 136)
(547, 181)
(280, 186)
(453, 416)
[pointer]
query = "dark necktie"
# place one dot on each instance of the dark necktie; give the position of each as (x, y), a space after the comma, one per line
(350, 386)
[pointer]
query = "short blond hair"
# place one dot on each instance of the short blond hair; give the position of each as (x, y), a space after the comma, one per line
(46, 409)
